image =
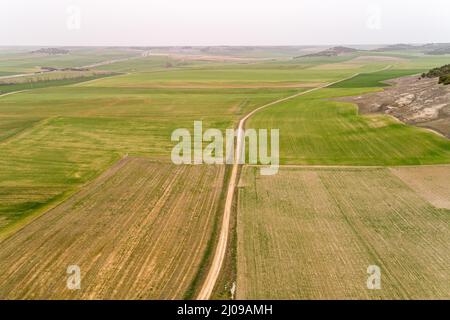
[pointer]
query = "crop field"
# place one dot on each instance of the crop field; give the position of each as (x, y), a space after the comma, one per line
(431, 182)
(311, 233)
(145, 64)
(23, 61)
(158, 219)
(53, 75)
(317, 130)
(86, 177)
(234, 75)
(50, 79)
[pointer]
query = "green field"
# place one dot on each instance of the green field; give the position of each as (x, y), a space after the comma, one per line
(376, 79)
(231, 75)
(58, 138)
(311, 233)
(148, 64)
(49, 80)
(317, 130)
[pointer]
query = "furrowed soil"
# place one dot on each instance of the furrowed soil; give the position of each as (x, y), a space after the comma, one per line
(311, 233)
(139, 231)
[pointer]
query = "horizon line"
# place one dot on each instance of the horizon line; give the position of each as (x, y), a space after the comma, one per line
(221, 45)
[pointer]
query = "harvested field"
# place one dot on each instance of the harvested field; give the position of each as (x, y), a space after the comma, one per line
(311, 233)
(431, 182)
(139, 231)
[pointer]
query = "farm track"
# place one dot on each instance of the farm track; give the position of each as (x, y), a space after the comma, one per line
(157, 217)
(220, 252)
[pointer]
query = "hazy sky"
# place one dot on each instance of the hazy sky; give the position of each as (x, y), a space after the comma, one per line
(228, 22)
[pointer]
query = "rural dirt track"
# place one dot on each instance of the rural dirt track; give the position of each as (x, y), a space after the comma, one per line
(219, 255)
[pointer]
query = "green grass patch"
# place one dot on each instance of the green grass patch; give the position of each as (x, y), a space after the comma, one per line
(315, 130)
(236, 75)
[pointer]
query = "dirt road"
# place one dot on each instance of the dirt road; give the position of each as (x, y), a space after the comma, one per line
(221, 248)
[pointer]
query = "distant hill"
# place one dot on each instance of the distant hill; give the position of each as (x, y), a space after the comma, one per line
(429, 48)
(51, 51)
(442, 72)
(331, 52)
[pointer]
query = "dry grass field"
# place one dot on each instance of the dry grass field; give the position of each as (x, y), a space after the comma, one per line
(54, 140)
(311, 233)
(139, 231)
(431, 182)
